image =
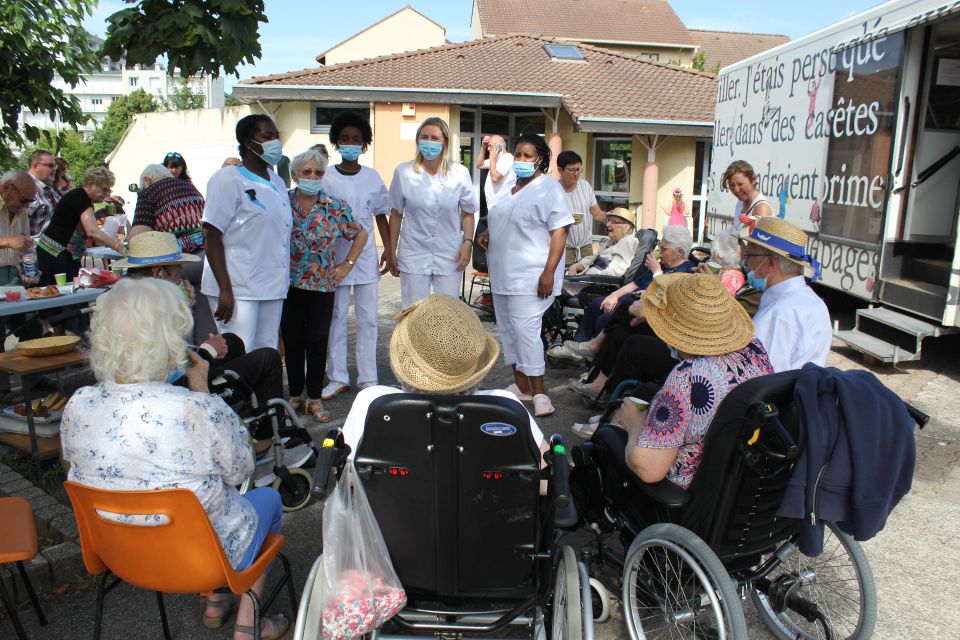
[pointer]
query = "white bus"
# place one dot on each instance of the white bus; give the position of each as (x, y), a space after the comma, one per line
(854, 133)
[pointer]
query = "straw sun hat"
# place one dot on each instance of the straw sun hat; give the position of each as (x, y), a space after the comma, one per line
(624, 214)
(694, 314)
(154, 249)
(439, 346)
(784, 239)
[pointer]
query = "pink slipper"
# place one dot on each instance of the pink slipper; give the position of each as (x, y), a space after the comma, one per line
(542, 406)
(521, 396)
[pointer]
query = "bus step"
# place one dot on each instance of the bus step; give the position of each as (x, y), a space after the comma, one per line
(875, 347)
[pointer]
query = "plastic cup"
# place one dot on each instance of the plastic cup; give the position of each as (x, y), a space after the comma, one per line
(713, 266)
(61, 279)
(577, 218)
(642, 405)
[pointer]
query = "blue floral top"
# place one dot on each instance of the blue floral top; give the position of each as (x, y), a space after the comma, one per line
(682, 410)
(312, 240)
(136, 437)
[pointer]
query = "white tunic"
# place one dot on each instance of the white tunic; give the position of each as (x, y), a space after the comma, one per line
(254, 217)
(505, 167)
(431, 235)
(367, 196)
(794, 325)
(520, 226)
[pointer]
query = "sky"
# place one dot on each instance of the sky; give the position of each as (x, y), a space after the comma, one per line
(298, 30)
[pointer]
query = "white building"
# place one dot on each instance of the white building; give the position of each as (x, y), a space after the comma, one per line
(114, 79)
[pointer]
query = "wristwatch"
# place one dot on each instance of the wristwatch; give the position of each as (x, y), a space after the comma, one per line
(350, 262)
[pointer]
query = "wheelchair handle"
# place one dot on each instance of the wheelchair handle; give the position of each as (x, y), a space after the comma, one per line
(327, 457)
(565, 513)
(918, 416)
(770, 418)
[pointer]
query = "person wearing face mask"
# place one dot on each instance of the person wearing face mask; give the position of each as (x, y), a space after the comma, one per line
(246, 228)
(752, 205)
(432, 215)
(525, 243)
(319, 223)
(363, 189)
(792, 322)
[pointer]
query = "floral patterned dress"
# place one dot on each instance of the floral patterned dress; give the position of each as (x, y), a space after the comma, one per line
(312, 240)
(681, 412)
(137, 437)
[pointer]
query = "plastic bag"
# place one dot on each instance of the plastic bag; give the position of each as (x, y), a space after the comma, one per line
(361, 590)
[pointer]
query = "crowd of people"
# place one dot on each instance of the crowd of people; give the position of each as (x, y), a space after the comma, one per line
(260, 267)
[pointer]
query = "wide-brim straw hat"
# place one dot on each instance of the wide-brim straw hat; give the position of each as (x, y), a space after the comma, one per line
(624, 214)
(439, 346)
(695, 314)
(784, 239)
(153, 249)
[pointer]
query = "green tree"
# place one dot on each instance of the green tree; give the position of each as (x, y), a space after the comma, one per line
(197, 36)
(230, 101)
(699, 61)
(181, 96)
(119, 116)
(41, 40)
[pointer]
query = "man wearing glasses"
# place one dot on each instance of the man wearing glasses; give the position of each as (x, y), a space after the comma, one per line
(43, 169)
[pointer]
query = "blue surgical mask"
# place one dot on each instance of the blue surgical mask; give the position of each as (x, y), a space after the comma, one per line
(272, 151)
(430, 149)
(175, 375)
(309, 186)
(350, 152)
(756, 282)
(524, 169)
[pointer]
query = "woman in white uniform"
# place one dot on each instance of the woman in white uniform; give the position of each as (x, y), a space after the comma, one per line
(431, 221)
(364, 191)
(525, 243)
(246, 226)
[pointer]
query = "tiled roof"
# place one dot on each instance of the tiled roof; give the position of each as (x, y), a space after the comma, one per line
(606, 85)
(727, 47)
(640, 21)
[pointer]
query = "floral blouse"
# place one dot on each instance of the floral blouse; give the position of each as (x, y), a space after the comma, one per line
(136, 437)
(683, 409)
(312, 255)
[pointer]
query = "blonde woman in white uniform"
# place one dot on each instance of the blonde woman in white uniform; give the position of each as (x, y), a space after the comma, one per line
(364, 191)
(431, 221)
(525, 243)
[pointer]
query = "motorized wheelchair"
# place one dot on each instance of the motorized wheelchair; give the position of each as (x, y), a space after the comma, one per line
(692, 555)
(454, 483)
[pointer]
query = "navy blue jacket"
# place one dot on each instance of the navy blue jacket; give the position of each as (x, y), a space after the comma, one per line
(857, 455)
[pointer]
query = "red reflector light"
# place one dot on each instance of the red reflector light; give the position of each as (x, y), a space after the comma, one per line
(492, 475)
(398, 471)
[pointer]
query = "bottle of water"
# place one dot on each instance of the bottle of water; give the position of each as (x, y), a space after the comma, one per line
(28, 263)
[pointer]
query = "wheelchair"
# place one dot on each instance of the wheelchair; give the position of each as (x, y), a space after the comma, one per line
(692, 555)
(454, 483)
(294, 485)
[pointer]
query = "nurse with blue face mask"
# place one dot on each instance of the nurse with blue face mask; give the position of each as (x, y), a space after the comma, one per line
(432, 216)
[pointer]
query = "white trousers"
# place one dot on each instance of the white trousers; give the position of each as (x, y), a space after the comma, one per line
(519, 319)
(414, 287)
(256, 322)
(365, 312)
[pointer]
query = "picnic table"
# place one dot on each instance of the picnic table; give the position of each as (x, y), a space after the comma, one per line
(30, 305)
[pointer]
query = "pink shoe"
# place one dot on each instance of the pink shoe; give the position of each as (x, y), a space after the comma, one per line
(515, 390)
(542, 406)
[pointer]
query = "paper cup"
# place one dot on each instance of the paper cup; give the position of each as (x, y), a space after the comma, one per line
(640, 404)
(61, 279)
(713, 266)
(577, 218)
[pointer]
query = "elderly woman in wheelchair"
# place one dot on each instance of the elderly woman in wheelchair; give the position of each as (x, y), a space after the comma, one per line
(454, 478)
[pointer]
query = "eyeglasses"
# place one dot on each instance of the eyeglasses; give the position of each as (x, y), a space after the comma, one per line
(50, 165)
(24, 202)
(312, 172)
(574, 172)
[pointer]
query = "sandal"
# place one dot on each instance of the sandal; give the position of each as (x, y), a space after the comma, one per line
(542, 406)
(225, 607)
(277, 621)
(317, 412)
(296, 403)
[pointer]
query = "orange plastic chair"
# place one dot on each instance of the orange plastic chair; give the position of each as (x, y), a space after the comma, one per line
(184, 555)
(18, 542)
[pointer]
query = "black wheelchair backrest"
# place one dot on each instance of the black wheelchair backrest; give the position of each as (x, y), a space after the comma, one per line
(454, 484)
(648, 241)
(748, 453)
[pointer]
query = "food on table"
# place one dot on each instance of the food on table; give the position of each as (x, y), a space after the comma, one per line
(11, 296)
(42, 408)
(43, 292)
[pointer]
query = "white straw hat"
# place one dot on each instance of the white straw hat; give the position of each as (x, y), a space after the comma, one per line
(154, 249)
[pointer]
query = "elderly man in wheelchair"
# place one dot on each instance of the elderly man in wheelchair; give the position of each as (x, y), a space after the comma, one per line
(700, 489)
(465, 490)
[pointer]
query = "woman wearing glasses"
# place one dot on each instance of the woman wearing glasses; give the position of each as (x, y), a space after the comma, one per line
(177, 166)
(581, 199)
(315, 272)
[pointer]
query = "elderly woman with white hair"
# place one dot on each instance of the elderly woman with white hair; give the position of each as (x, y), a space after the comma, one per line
(133, 431)
(725, 262)
(315, 272)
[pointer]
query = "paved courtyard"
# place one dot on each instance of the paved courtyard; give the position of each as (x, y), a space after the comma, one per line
(915, 559)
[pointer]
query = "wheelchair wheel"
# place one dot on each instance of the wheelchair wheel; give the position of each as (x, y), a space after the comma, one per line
(674, 586)
(839, 581)
(600, 599)
(567, 602)
(294, 493)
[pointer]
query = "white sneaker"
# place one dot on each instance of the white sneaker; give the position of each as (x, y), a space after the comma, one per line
(585, 430)
(595, 419)
(562, 352)
(333, 389)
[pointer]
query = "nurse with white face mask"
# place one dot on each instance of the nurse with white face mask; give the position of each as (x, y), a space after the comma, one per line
(525, 242)
(431, 221)
(246, 226)
(364, 191)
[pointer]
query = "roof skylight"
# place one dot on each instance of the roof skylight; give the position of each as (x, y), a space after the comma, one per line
(564, 51)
